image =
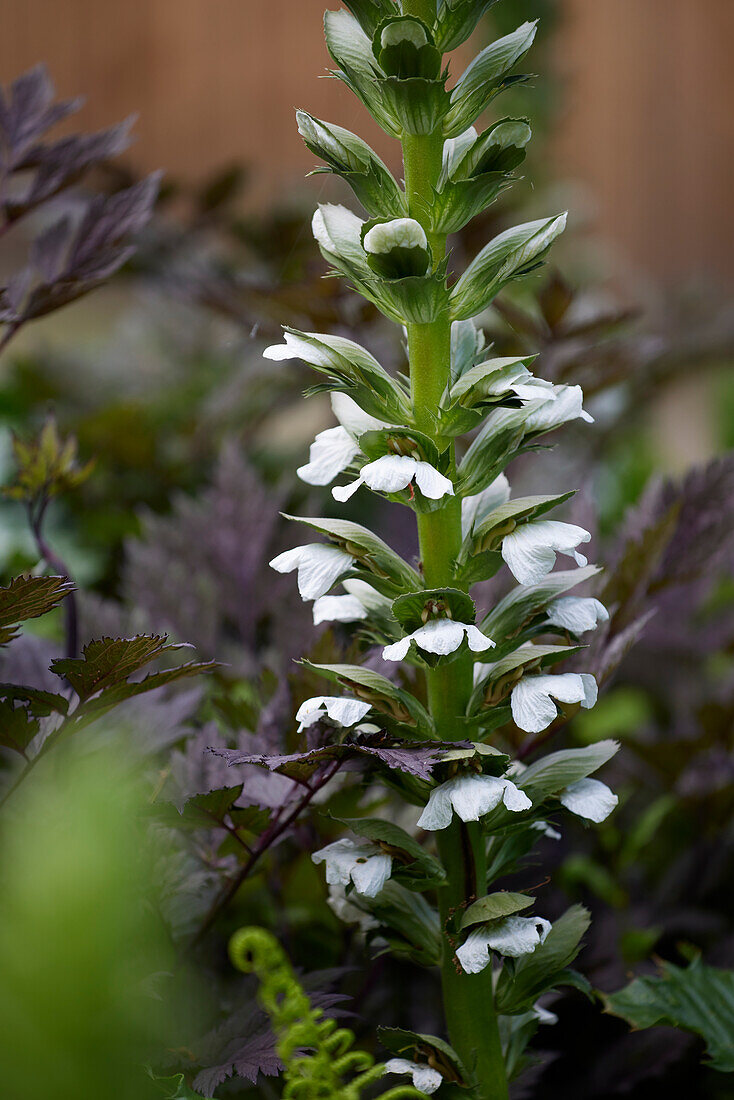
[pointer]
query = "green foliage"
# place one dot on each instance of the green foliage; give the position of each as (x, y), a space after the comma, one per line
(696, 998)
(28, 598)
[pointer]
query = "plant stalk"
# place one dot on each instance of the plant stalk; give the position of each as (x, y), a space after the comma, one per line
(468, 999)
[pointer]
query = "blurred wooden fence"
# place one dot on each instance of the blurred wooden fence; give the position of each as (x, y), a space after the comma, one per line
(648, 128)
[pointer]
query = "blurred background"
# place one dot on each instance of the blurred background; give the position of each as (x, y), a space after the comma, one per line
(159, 377)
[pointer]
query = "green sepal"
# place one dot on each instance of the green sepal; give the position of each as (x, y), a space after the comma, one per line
(549, 776)
(479, 567)
(489, 533)
(494, 907)
(467, 400)
(399, 707)
(379, 442)
(370, 13)
(369, 550)
(419, 105)
(485, 77)
(413, 925)
(497, 683)
(523, 980)
(456, 21)
(407, 56)
(351, 49)
(493, 762)
(413, 866)
(459, 201)
(418, 1047)
(523, 603)
(491, 450)
(351, 369)
(512, 254)
(467, 347)
(409, 609)
(348, 156)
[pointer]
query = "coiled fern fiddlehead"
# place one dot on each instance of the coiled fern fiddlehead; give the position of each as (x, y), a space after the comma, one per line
(317, 1055)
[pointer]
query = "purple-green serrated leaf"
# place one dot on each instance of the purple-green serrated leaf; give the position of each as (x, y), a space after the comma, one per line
(28, 598)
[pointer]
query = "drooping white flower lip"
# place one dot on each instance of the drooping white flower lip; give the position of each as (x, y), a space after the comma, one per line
(589, 798)
(530, 550)
(565, 404)
(578, 614)
(335, 448)
(512, 937)
(319, 567)
(425, 1078)
(357, 861)
(345, 909)
(439, 636)
(532, 704)
(340, 709)
(391, 473)
(398, 233)
(470, 797)
(338, 609)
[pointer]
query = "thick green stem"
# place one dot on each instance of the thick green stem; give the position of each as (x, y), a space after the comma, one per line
(468, 999)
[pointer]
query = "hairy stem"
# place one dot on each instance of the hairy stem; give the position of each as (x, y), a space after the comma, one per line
(468, 1000)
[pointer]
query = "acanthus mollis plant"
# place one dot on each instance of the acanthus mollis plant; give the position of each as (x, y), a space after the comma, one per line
(459, 681)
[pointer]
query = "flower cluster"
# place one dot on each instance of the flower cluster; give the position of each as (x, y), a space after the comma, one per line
(437, 440)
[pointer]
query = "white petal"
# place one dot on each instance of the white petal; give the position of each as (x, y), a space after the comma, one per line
(319, 567)
(513, 798)
(577, 613)
(398, 233)
(344, 492)
(339, 858)
(338, 609)
(398, 651)
(544, 1016)
(438, 811)
(477, 641)
(440, 636)
(310, 712)
(474, 952)
(516, 936)
(475, 508)
(369, 597)
(567, 406)
(431, 483)
(370, 875)
(425, 1079)
(530, 550)
(390, 473)
(350, 416)
(546, 829)
(347, 911)
(532, 707)
(330, 453)
(589, 798)
(473, 796)
(345, 711)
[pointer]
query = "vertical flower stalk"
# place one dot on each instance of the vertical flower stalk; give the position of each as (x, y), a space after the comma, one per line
(486, 677)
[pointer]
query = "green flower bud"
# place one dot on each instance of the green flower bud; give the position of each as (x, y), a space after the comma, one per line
(397, 249)
(405, 49)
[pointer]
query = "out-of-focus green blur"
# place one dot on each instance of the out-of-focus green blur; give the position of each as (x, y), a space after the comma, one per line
(79, 940)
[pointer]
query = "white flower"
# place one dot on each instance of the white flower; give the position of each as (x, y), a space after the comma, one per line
(390, 473)
(319, 567)
(544, 1015)
(530, 550)
(532, 703)
(398, 233)
(341, 710)
(338, 609)
(475, 508)
(345, 909)
(360, 862)
(513, 936)
(565, 404)
(333, 450)
(425, 1079)
(589, 798)
(440, 636)
(577, 613)
(546, 830)
(470, 797)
